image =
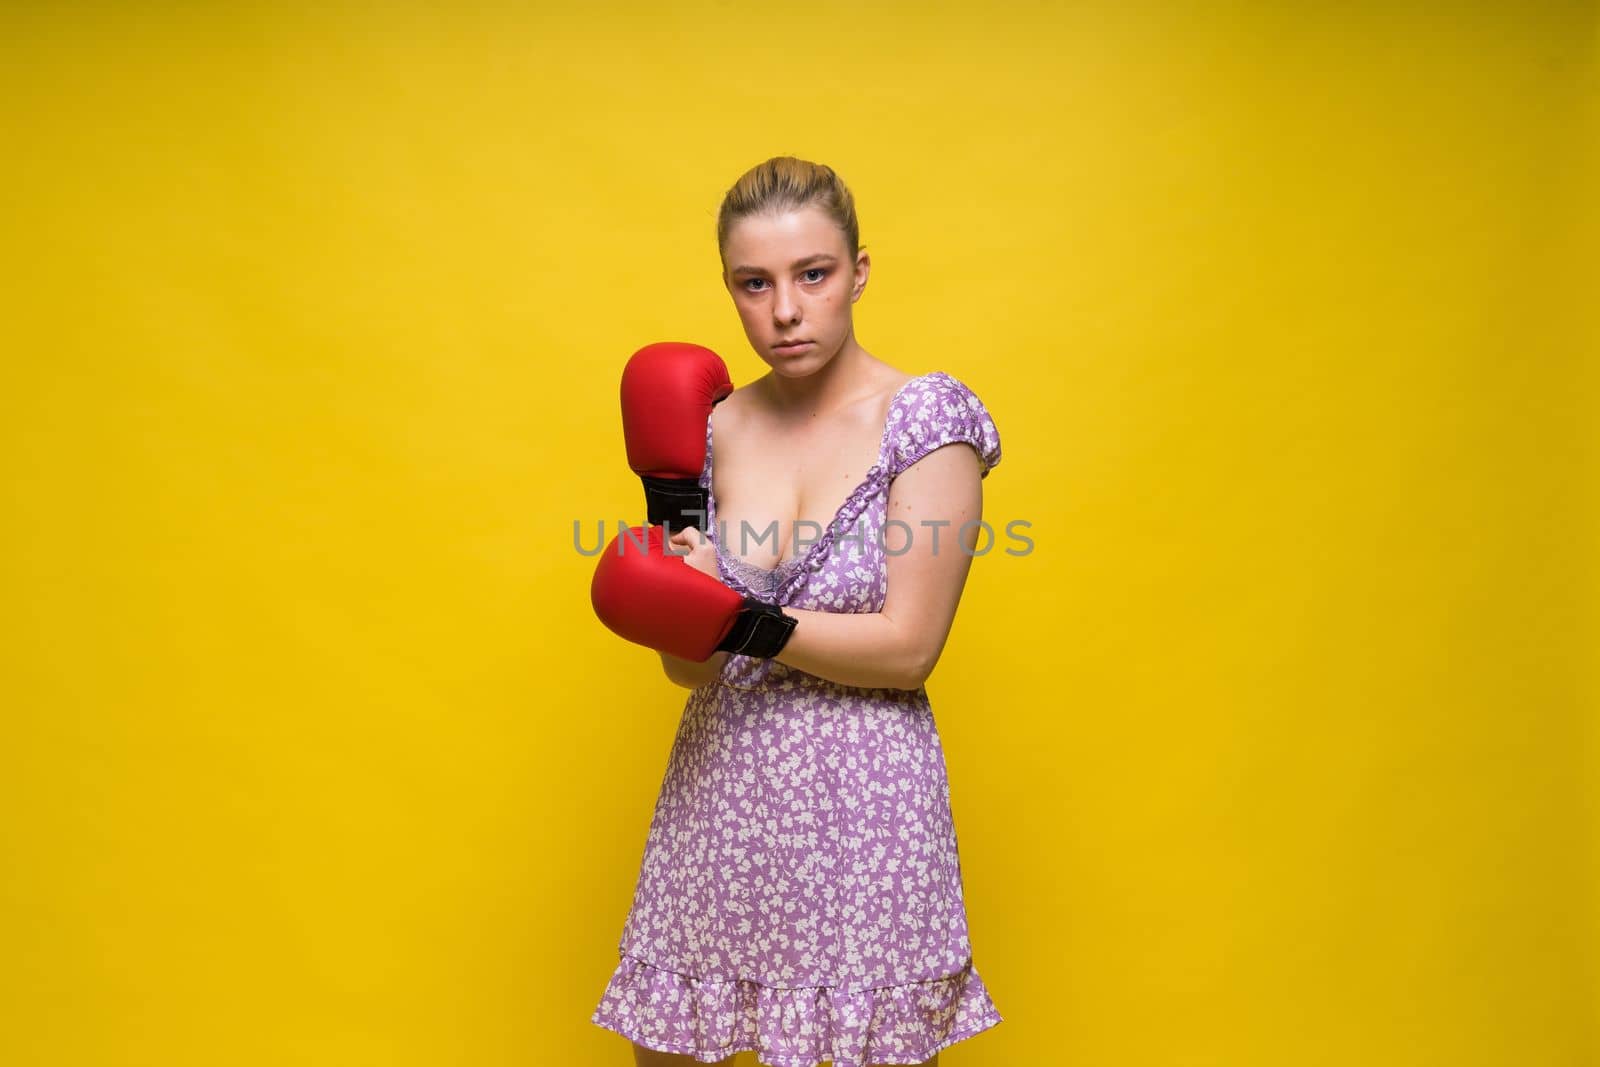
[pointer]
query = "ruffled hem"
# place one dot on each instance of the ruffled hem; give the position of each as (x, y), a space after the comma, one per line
(799, 1026)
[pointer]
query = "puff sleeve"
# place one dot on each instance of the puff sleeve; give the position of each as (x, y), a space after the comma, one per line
(938, 410)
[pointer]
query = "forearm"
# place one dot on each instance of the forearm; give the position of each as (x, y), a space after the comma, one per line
(869, 650)
(692, 675)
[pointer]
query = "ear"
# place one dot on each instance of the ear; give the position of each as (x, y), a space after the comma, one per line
(863, 270)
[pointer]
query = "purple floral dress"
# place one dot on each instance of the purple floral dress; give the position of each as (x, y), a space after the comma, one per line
(800, 893)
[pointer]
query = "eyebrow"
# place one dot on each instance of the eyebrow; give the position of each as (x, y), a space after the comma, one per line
(820, 257)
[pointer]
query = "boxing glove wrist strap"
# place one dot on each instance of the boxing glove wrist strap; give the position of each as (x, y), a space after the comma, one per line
(760, 630)
(675, 500)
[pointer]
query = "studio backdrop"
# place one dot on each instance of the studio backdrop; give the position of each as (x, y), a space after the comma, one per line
(1277, 746)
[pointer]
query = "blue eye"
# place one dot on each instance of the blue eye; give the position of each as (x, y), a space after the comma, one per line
(820, 271)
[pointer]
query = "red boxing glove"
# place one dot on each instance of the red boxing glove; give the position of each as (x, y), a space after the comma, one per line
(652, 597)
(668, 391)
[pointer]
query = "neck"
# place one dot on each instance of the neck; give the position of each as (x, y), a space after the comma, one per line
(838, 382)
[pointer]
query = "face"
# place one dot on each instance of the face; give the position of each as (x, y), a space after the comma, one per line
(792, 279)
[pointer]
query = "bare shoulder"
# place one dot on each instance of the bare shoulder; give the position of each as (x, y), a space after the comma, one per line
(735, 408)
(736, 420)
(868, 414)
(897, 383)
(892, 390)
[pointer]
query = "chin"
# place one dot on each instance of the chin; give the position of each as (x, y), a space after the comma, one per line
(816, 356)
(798, 368)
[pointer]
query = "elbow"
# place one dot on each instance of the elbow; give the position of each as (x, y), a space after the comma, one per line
(917, 671)
(691, 674)
(677, 673)
(678, 679)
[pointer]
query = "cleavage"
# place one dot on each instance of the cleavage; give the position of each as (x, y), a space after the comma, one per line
(756, 507)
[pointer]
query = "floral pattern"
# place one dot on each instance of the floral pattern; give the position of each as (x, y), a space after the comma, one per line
(800, 892)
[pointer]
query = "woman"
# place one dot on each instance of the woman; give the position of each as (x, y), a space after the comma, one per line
(800, 893)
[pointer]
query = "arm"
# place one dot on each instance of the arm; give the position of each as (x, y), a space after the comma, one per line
(897, 647)
(699, 553)
(692, 675)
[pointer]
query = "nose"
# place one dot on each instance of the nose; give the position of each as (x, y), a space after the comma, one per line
(785, 308)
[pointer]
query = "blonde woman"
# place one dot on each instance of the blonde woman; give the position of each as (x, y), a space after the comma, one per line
(800, 893)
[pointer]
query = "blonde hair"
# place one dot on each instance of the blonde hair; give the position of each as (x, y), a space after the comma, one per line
(784, 183)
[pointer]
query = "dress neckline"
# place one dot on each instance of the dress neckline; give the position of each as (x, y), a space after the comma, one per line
(787, 565)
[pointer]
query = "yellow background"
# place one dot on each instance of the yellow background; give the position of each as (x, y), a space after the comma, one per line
(1279, 748)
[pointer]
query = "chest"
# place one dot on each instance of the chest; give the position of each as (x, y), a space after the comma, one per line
(776, 492)
(844, 569)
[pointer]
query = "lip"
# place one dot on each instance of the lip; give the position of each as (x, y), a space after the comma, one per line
(793, 346)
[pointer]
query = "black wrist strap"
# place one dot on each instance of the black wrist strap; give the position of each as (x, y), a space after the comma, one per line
(679, 501)
(760, 630)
